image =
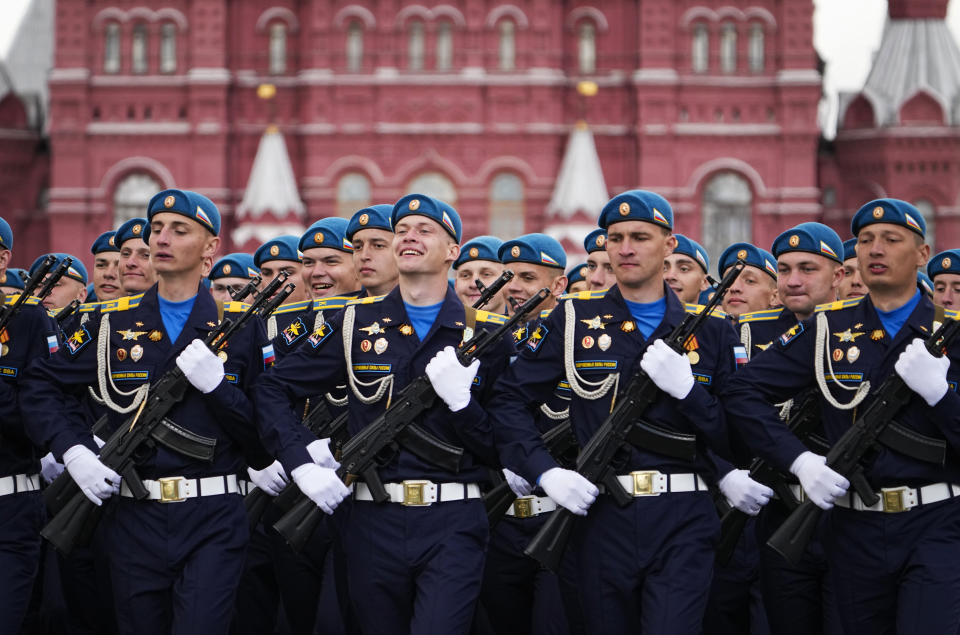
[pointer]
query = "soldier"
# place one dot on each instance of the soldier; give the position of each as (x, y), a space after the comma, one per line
(175, 557)
(371, 235)
(645, 567)
(72, 286)
(537, 261)
(944, 269)
(892, 564)
(599, 272)
(13, 282)
(137, 273)
(685, 270)
(281, 255)
(925, 284)
(328, 259)
(751, 291)
(478, 260)
(106, 268)
(231, 274)
(29, 335)
(577, 279)
(414, 564)
(852, 284)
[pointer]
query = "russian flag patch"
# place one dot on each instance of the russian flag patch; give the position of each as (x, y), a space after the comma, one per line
(740, 355)
(547, 260)
(269, 357)
(825, 249)
(912, 223)
(203, 218)
(449, 223)
(52, 344)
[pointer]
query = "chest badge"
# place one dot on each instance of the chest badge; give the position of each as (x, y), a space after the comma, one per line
(373, 329)
(594, 323)
(628, 327)
(853, 354)
(604, 341)
(365, 346)
(130, 334)
(406, 329)
(380, 345)
(693, 356)
(587, 341)
(138, 324)
(848, 335)
(837, 354)
(764, 347)
(121, 354)
(155, 335)
(4, 349)
(386, 320)
(467, 334)
(877, 335)
(223, 356)
(136, 353)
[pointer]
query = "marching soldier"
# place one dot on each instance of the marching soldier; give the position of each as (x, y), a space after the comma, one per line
(852, 284)
(72, 286)
(755, 289)
(478, 260)
(137, 272)
(577, 279)
(599, 272)
(231, 274)
(685, 270)
(537, 261)
(106, 268)
(370, 233)
(328, 259)
(13, 282)
(944, 270)
(281, 255)
(176, 556)
(892, 564)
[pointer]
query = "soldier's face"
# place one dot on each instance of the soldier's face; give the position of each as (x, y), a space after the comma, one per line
(529, 278)
(753, 290)
(685, 276)
(106, 275)
(579, 286)
(294, 270)
(64, 292)
(852, 284)
(465, 283)
(180, 245)
(637, 250)
(422, 245)
(599, 273)
(373, 260)
(328, 272)
(136, 269)
(221, 287)
(805, 280)
(946, 290)
(889, 256)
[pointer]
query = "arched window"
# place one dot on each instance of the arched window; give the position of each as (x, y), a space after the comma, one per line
(138, 49)
(728, 47)
(727, 213)
(930, 217)
(168, 48)
(278, 48)
(353, 193)
(587, 47)
(506, 206)
(354, 46)
(700, 49)
(507, 47)
(415, 46)
(132, 195)
(436, 185)
(755, 51)
(111, 48)
(444, 46)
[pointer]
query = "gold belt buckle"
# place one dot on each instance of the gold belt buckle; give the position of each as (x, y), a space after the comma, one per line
(523, 507)
(643, 483)
(893, 500)
(170, 490)
(413, 493)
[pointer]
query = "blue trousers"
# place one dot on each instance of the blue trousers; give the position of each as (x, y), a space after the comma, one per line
(646, 568)
(175, 567)
(21, 516)
(735, 606)
(414, 570)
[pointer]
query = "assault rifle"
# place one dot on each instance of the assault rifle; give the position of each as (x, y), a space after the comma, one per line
(251, 288)
(75, 516)
(7, 311)
(857, 443)
(64, 314)
(595, 460)
(360, 452)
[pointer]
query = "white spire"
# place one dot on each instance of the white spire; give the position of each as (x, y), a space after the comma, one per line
(580, 187)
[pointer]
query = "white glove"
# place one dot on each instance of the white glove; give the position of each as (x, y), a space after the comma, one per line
(203, 369)
(924, 373)
(744, 493)
(271, 479)
(451, 379)
(321, 484)
(320, 453)
(97, 481)
(669, 370)
(569, 489)
(50, 469)
(822, 485)
(517, 483)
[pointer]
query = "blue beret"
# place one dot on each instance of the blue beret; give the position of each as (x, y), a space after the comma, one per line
(850, 249)
(104, 242)
(133, 228)
(752, 255)
(236, 265)
(14, 279)
(814, 238)
(186, 203)
(945, 262)
(637, 205)
(889, 210)
(6, 235)
(538, 249)
(595, 241)
(432, 208)
(91, 294)
(373, 217)
(924, 283)
(479, 248)
(327, 232)
(577, 274)
(280, 248)
(695, 250)
(76, 271)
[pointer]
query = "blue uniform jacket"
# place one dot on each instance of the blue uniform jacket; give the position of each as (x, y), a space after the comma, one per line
(384, 343)
(31, 334)
(534, 377)
(140, 351)
(860, 350)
